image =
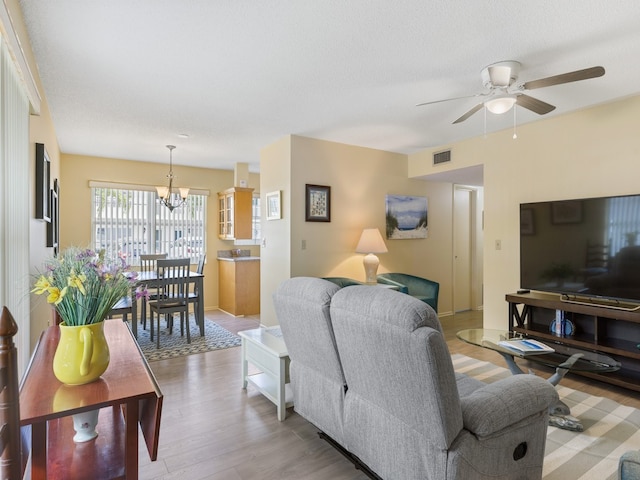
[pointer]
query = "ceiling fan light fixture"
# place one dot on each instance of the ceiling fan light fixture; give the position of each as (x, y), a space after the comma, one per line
(500, 104)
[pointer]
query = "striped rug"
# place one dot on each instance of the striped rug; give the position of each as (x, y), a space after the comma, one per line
(610, 429)
(174, 345)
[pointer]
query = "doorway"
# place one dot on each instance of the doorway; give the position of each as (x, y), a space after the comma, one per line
(467, 233)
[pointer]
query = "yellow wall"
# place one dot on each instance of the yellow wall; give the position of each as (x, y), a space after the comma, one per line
(589, 153)
(75, 201)
(359, 179)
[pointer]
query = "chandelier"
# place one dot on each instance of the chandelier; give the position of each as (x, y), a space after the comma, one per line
(168, 198)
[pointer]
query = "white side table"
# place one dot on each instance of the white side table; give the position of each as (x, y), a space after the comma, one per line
(265, 349)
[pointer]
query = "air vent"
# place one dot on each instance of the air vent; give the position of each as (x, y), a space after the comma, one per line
(442, 157)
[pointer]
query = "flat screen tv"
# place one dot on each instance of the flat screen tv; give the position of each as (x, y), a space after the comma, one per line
(586, 248)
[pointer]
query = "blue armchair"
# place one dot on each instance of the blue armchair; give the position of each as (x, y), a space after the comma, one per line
(420, 288)
(343, 281)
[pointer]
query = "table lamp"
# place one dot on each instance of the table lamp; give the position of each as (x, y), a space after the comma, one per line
(371, 243)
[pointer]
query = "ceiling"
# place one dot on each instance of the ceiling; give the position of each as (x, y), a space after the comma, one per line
(125, 78)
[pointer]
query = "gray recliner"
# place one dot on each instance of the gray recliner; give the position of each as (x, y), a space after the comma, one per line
(317, 382)
(370, 367)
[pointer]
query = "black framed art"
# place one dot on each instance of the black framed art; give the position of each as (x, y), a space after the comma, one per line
(317, 203)
(43, 170)
(53, 227)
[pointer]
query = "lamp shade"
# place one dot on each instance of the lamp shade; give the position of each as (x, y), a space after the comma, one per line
(162, 191)
(371, 242)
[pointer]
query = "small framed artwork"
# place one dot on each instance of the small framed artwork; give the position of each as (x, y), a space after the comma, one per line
(527, 225)
(43, 171)
(568, 211)
(273, 206)
(317, 203)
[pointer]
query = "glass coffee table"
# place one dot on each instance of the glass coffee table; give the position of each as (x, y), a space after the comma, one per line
(563, 360)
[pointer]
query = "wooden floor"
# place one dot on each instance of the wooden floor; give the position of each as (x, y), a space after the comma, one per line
(212, 429)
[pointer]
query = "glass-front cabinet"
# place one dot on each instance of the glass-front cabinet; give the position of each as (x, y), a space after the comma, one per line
(235, 213)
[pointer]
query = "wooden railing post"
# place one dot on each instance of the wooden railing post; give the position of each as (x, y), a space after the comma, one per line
(10, 460)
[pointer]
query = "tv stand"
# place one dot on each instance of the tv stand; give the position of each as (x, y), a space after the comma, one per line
(599, 328)
(600, 302)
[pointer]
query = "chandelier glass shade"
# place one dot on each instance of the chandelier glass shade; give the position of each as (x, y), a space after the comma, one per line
(168, 197)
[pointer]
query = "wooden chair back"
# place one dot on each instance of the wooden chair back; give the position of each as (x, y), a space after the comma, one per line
(201, 261)
(172, 281)
(148, 261)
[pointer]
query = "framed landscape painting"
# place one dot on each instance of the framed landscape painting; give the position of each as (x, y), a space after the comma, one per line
(406, 217)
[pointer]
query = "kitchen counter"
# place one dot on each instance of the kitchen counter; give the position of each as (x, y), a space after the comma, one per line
(239, 259)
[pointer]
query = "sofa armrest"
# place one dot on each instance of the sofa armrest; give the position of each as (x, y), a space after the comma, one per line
(399, 286)
(629, 466)
(495, 406)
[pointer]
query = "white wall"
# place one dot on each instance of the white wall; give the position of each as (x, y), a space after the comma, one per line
(591, 153)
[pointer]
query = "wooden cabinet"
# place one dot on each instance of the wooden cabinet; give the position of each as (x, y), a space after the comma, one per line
(235, 213)
(239, 286)
(611, 331)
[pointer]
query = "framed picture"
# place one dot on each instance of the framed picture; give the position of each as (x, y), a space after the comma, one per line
(43, 170)
(53, 227)
(273, 206)
(406, 217)
(317, 203)
(569, 211)
(527, 225)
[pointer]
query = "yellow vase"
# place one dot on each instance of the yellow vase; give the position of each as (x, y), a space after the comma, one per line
(82, 354)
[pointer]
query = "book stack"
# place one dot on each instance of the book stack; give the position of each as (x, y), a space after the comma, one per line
(526, 346)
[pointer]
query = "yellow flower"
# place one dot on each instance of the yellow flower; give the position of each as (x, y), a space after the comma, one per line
(41, 286)
(77, 281)
(56, 295)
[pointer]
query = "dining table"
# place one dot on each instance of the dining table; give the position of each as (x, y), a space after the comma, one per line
(148, 279)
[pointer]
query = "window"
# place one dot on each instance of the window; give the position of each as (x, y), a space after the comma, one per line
(130, 222)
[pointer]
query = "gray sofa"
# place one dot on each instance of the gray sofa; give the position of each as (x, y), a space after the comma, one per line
(370, 368)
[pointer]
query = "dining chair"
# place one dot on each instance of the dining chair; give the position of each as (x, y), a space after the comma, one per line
(148, 265)
(195, 297)
(123, 307)
(172, 280)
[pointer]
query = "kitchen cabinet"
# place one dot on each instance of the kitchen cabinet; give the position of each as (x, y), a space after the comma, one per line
(235, 214)
(239, 285)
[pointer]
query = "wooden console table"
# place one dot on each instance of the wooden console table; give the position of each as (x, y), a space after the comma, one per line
(127, 394)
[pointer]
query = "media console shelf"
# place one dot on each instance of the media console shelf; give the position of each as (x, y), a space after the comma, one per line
(597, 328)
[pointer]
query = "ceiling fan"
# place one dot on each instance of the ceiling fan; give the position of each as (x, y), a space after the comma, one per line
(503, 92)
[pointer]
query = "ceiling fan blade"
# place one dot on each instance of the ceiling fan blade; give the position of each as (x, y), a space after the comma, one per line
(533, 104)
(578, 75)
(469, 113)
(449, 99)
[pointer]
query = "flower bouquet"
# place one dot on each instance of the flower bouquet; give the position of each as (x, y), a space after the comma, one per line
(84, 285)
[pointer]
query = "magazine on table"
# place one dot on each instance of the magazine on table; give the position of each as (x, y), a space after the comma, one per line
(526, 345)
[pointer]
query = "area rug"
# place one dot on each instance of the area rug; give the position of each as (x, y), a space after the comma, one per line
(610, 429)
(174, 345)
